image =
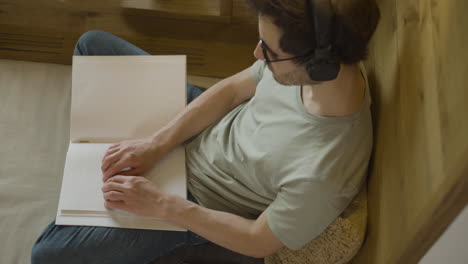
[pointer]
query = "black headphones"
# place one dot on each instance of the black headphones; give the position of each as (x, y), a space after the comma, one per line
(323, 66)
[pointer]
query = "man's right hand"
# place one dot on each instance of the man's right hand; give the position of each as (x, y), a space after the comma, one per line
(137, 156)
(141, 155)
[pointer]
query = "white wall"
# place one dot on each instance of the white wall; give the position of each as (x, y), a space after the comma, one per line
(452, 246)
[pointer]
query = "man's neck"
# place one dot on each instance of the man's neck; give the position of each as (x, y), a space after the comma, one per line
(341, 97)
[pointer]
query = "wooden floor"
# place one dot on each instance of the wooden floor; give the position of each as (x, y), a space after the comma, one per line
(46, 31)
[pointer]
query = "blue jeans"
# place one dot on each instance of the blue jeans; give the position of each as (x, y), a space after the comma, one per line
(89, 244)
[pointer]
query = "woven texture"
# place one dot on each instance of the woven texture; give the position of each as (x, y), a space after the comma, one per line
(338, 244)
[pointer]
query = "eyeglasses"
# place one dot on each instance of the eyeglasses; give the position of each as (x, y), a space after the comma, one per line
(267, 58)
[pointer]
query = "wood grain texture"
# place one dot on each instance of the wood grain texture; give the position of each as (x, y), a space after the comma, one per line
(218, 11)
(213, 49)
(418, 183)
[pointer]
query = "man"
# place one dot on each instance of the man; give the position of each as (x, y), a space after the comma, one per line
(275, 154)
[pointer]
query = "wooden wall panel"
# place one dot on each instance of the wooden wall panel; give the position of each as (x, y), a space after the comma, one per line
(450, 29)
(204, 42)
(383, 77)
(418, 180)
(218, 11)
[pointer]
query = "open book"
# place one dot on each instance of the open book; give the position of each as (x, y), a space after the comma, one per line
(116, 98)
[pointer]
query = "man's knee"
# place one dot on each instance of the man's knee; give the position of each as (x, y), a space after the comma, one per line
(89, 39)
(91, 36)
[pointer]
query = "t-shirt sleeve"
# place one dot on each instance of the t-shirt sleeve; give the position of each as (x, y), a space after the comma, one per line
(256, 70)
(302, 210)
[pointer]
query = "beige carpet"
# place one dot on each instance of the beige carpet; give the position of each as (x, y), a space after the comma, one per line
(34, 125)
(34, 135)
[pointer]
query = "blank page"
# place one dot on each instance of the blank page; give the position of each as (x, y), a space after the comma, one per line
(123, 97)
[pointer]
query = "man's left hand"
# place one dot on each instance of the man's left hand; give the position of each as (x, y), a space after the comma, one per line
(137, 195)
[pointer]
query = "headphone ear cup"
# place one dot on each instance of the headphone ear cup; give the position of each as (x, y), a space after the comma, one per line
(323, 71)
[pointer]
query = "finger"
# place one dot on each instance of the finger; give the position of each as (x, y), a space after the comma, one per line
(109, 160)
(109, 152)
(114, 169)
(132, 172)
(116, 205)
(114, 196)
(105, 177)
(114, 145)
(113, 186)
(118, 179)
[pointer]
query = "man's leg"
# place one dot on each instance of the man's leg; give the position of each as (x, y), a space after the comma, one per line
(89, 244)
(84, 244)
(101, 43)
(192, 92)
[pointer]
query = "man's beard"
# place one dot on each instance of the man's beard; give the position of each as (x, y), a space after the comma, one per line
(294, 78)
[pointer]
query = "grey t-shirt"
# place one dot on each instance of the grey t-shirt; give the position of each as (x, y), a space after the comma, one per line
(271, 154)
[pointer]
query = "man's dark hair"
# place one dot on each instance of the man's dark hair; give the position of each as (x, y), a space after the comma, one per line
(354, 24)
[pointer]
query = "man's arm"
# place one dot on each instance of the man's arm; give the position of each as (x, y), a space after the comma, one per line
(207, 108)
(141, 154)
(140, 196)
(245, 236)
(253, 238)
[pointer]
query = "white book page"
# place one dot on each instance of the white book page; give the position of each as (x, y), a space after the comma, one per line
(82, 180)
(123, 97)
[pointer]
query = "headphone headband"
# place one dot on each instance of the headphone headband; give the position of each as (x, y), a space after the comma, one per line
(324, 67)
(323, 17)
